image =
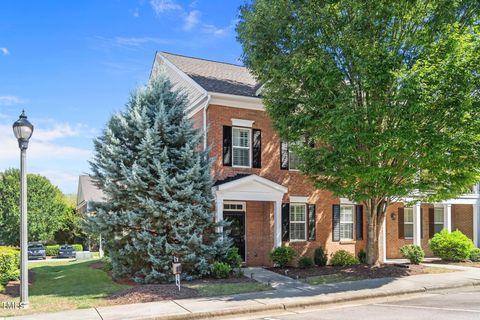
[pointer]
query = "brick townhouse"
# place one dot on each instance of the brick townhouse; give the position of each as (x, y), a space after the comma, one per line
(260, 190)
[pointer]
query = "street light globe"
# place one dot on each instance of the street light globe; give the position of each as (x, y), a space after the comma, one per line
(23, 129)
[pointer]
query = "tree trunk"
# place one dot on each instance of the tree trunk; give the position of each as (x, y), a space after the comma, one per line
(375, 210)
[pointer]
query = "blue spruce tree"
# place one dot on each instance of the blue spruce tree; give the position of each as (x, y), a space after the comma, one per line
(159, 189)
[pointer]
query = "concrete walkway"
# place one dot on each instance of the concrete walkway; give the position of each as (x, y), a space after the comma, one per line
(288, 295)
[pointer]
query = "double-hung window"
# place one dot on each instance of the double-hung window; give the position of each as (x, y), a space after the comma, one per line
(241, 147)
(298, 222)
(408, 223)
(438, 219)
(293, 159)
(346, 222)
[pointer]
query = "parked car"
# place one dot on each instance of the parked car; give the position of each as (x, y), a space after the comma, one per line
(36, 250)
(66, 251)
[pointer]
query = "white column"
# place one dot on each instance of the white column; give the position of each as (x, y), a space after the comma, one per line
(476, 213)
(277, 216)
(448, 217)
(417, 232)
(219, 213)
(384, 232)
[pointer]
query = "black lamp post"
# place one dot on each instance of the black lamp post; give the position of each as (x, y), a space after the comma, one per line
(23, 130)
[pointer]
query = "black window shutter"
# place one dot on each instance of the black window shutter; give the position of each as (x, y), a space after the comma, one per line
(227, 146)
(257, 148)
(285, 221)
(284, 156)
(312, 227)
(431, 222)
(336, 222)
(359, 222)
(401, 223)
(421, 223)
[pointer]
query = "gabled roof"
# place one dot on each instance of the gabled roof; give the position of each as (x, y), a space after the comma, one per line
(87, 191)
(214, 76)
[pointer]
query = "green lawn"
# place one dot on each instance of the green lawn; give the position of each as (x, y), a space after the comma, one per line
(218, 289)
(332, 278)
(67, 285)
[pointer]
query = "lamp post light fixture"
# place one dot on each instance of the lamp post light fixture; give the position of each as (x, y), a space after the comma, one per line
(23, 130)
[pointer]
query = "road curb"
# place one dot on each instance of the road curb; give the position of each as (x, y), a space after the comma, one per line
(318, 301)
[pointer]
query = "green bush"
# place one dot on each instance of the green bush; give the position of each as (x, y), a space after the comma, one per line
(52, 250)
(343, 258)
(9, 264)
(320, 257)
(475, 255)
(107, 263)
(413, 253)
(77, 247)
(454, 246)
(305, 262)
(362, 256)
(221, 270)
(282, 256)
(233, 258)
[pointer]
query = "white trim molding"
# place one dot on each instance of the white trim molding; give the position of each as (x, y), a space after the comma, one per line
(235, 101)
(298, 199)
(242, 123)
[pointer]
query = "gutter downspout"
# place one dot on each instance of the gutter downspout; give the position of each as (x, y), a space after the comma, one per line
(205, 142)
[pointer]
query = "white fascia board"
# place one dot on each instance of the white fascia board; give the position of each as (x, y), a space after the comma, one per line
(463, 199)
(196, 106)
(298, 199)
(182, 74)
(346, 201)
(235, 101)
(232, 184)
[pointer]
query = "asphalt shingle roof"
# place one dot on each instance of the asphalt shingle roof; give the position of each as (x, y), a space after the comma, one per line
(89, 191)
(216, 76)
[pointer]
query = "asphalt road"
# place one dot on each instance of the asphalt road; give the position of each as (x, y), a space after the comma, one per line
(457, 305)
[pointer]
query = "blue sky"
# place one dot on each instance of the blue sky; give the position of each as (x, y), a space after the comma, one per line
(71, 64)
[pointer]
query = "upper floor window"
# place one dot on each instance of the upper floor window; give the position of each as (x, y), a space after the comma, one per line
(241, 144)
(408, 223)
(294, 160)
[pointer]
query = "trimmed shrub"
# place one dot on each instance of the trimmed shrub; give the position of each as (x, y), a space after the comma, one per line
(343, 258)
(282, 256)
(107, 263)
(305, 262)
(475, 255)
(53, 250)
(413, 253)
(221, 270)
(362, 256)
(77, 247)
(454, 246)
(9, 264)
(233, 258)
(320, 257)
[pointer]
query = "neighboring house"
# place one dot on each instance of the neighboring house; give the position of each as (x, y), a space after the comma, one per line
(259, 188)
(86, 194)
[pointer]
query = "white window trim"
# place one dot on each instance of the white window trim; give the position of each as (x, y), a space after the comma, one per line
(289, 162)
(242, 123)
(249, 148)
(353, 222)
(298, 222)
(409, 223)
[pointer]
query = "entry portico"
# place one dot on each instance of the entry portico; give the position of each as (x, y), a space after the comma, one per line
(251, 188)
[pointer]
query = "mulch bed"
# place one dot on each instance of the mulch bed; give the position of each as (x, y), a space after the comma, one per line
(139, 293)
(12, 289)
(361, 271)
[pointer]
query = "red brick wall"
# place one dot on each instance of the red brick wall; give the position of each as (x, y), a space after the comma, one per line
(297, 185)
(462, 219)
(259, 232)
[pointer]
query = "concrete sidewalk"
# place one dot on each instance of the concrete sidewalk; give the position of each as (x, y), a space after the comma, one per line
(288, 295)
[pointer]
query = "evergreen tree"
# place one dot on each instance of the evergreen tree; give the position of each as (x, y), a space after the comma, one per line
(159, 189)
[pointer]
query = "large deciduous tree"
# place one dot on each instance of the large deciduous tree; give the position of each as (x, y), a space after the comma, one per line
(46, 207)
(158, 188)
(389, 92)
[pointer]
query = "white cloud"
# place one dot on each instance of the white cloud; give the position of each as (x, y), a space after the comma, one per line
(59, 131)
(161, 6)
(67, 181)
(136, 13)
(191, 20)
(10, 100)
(218, 32)
(137, 41)
(4, 51)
